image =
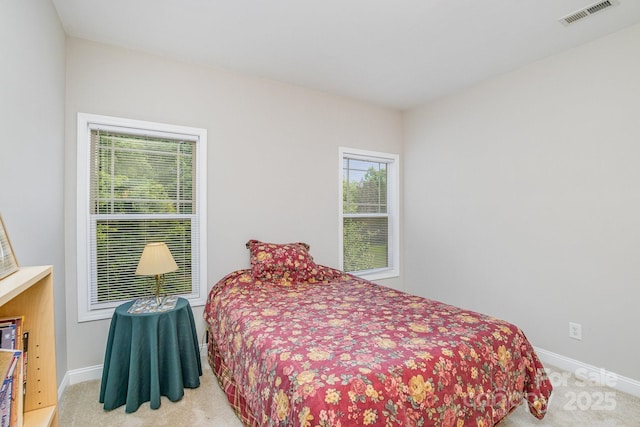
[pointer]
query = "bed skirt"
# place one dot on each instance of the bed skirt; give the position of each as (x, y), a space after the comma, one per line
(228, 385)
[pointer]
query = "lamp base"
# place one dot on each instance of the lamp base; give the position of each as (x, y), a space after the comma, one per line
(153, 305)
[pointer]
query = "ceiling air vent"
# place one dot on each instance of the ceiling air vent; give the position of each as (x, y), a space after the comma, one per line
(587, 11)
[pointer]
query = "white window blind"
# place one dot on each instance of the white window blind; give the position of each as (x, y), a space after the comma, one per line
(369, 212)
(144, 185)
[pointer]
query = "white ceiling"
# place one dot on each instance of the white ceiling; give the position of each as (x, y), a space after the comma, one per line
(396, 53)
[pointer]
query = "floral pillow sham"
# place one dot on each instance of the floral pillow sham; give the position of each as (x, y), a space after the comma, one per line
(284, 264)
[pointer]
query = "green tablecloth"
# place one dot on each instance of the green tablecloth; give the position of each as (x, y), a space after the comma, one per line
(150, 355)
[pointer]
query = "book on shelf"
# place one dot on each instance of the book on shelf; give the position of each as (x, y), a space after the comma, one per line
(17, 341)
(10, 367)
(25, 352)
(8, 335)
(11, 329)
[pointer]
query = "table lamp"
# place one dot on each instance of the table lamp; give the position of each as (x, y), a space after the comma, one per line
(156, 260)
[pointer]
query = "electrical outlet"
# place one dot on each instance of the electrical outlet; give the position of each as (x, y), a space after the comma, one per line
(575, 331)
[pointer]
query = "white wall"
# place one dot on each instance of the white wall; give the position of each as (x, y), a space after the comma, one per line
(522, 200)
(272, 156)
(32, 52)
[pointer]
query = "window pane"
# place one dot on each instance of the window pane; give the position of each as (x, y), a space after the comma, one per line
(364, 186)
(365, 243)
(137, 174)
(140, 176)
(119, 246)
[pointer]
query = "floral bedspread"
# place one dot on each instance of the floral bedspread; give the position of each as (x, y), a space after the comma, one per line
(347, 352)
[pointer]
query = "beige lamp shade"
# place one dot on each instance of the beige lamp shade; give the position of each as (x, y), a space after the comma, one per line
(156, 259)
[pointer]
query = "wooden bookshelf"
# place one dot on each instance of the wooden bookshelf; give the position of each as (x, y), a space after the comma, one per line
(29, 293)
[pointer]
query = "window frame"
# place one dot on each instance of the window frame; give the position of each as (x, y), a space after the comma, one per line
(393, 206)
(85, 124)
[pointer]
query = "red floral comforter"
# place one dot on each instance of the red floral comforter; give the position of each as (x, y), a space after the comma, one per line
(349, 352)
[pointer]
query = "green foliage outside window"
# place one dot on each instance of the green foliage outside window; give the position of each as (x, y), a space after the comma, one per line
(142, 191)
(365, 220)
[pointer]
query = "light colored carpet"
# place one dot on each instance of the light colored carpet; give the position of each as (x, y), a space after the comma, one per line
(573, 404)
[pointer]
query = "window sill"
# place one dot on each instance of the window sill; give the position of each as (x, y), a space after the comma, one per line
(378, 274)
(107, 312)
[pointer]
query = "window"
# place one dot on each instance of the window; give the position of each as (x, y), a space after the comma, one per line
(369, 213)
(138, 182)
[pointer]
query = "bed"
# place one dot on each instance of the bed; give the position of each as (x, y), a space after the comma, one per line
(294, 343)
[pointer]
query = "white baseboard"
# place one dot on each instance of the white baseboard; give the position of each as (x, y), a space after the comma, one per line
(81, 375)
(590, 373)
(63, 385)
(85, 374)
(90, 373)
